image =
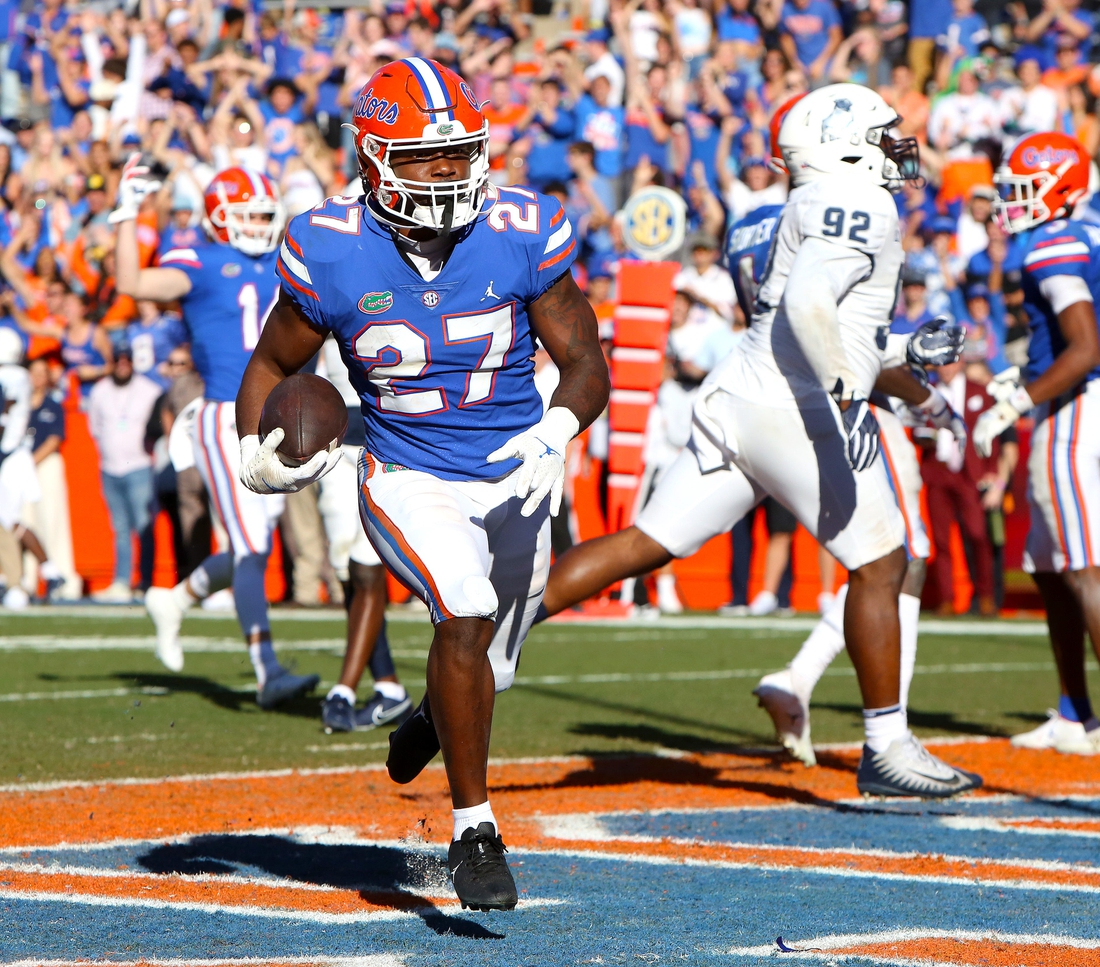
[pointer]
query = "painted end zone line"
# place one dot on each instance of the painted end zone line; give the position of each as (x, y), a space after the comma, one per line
(317, 960)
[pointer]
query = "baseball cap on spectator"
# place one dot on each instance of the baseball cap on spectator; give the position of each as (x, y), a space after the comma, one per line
(1027, 52)
(601, 35)
(942, 225)
(912, 275)
(979, 290)
(702, 240)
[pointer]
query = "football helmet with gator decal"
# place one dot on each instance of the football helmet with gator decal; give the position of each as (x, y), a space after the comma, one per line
(413, 105)
(243, 209)
(1044, 178)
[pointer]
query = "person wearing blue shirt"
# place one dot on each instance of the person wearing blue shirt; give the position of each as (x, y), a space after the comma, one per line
(926, 20)
(152, 337)
(809, 33)
(548, 125)
(982, 312)
(1058, 20)
(966, 31)
(283, 112)
(914, 295)
(601, 124)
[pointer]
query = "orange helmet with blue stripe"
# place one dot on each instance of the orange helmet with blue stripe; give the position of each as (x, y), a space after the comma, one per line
(243, 209)
(408, 106)
(1044, 178)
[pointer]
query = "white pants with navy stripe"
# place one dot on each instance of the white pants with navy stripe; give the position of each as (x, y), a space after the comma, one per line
(899, 458)
(247, 517)
(338, 504)
(795, 455)
(1064, 484)
(463, 548)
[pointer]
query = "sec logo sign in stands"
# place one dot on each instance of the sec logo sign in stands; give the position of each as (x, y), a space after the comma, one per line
(654, 222)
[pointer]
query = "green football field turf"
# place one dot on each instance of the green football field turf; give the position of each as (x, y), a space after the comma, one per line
(78, 713)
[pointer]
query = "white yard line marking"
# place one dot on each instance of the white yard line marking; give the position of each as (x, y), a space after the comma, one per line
(600, 678)
(1006, 626)
(189, 643)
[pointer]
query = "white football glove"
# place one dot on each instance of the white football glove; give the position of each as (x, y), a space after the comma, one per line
(133, 188)
(936, 411)
(264, 473)
(1013, 402)
(1004, 384)
(542, 450)
(861, 428)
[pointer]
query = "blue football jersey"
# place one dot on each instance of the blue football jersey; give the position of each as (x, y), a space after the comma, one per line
(1057, 248)
(747, 246)
(231, 295)
(150, 345)
(444, 368)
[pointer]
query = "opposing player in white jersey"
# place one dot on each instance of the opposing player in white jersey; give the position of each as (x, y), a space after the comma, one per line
(360, 570)
(1044, 178)
(788, 414)
(225, 287)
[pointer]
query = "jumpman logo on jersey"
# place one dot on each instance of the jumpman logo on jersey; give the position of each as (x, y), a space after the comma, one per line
(489, 293)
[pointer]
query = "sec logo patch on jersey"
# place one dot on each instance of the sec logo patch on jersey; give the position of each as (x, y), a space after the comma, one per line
(430, 298)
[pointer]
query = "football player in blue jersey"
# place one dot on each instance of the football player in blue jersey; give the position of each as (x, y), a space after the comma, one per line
(436, 288)
(225, 288)
(1045, 177)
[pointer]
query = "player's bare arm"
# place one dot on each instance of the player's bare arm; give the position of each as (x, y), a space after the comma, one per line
(1081, 355)
(565, 323)
(161, 284)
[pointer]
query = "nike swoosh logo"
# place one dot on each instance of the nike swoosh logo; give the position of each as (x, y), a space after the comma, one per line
(455, 870)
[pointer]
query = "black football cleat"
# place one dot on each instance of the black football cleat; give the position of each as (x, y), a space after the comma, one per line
(412, 745)
(480, 872)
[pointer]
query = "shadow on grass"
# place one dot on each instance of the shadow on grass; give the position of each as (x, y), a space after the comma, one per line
(382, 875)
(593, 701)
(241, 699)
(943, 721)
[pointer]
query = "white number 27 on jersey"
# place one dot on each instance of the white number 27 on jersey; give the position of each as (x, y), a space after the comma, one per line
(413, 357)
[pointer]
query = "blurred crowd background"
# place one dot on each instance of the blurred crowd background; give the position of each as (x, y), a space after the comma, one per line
(588, 100)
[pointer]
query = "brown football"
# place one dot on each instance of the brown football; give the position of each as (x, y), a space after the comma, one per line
(311, 413)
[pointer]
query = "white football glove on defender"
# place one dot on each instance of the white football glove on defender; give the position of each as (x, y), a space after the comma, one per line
(132, 190)
(542, 450)
(264, 473)
(936, 411)
(1013, 401)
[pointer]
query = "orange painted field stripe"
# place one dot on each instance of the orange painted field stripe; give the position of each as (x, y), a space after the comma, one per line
(942, 950)
(801, 859)
(367, 803)
(175, 889)
(1070, 825)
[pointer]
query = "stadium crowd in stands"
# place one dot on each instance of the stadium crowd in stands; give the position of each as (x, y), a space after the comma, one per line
(590, 103)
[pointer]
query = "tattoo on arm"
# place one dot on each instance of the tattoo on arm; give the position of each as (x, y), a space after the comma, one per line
(565, 323)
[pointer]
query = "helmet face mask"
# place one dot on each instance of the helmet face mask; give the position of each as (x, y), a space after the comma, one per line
(1044, 178)
(413, 110)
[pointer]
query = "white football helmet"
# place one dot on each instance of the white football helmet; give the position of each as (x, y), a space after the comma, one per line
(844, 129)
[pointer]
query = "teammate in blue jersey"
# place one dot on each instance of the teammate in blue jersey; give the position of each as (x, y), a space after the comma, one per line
(1045, 177)
(436, 287)
(226, 287)
(152, 337)
(747, 245)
